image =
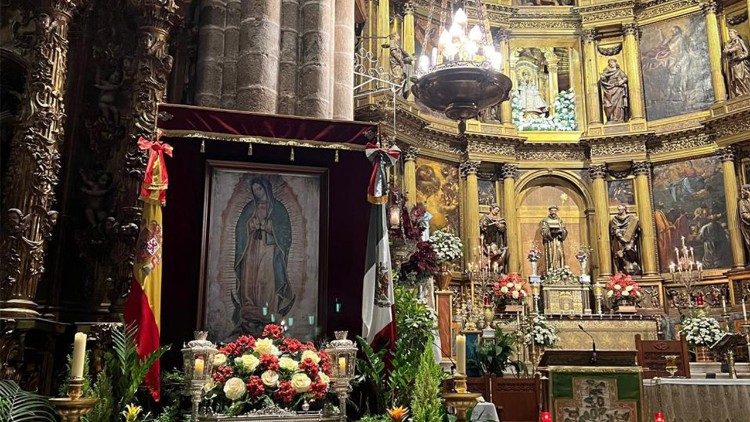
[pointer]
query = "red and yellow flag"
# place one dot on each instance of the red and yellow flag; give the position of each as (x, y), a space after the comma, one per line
(143, 306)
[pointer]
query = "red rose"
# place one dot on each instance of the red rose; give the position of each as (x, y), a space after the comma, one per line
(274, 331)
(285, 393)
(245, 342)
(291, 345)
(255, 387)
(232, 349)
(222, 374)
(270, 362)
(318, 390)
(310, 367)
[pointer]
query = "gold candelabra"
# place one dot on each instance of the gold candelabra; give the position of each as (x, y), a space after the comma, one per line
(688, 272)
(461, 400)
(74, 406)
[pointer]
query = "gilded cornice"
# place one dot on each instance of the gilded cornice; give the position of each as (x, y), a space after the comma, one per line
(552, 152)
(617, 148)
(548, 18)
(648, 9)
(607, 12)
(680, 145)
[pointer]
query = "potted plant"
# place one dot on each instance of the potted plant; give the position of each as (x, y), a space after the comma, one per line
(542, 335)
(448, 248)
(623, 292)
(700, 333)
(509, 292)
(422, 265)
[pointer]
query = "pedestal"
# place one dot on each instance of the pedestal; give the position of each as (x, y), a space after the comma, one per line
(444, 318)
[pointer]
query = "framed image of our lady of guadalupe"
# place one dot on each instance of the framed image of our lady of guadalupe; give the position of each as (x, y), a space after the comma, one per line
(264, 234)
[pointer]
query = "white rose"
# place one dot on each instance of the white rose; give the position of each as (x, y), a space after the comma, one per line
(515, 294)
(234, 388)
(618, 287)
(288, 363)
(250, 362)
(265, 346)
(504, 289)
(626, 293)
(220, 359)
(270, 378)
(510, 284)
(209, 385)
(324, 378)
(610, 293)
(311, 355)
(628, 288)
(301, 382)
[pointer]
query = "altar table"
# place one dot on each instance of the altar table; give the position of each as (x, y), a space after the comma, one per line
(698, 400)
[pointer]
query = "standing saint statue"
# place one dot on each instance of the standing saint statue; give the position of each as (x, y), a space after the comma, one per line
(614, 84)
(744, 209)
(532, 103)
(553, 233)
(624, 231)
(494, 229)
(738, 64)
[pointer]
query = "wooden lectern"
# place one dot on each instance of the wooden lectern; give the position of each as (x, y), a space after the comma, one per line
(607, 383)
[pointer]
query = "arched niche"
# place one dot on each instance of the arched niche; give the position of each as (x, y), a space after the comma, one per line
(535, 192)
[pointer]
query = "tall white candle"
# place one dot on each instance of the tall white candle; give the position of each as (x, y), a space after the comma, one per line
(744, 310)
(79, 355)
(461, 354)
(723, 304)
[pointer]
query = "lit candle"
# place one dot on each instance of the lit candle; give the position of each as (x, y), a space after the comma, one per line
(671, 267)
(273, 318)
(677, 254)
(723, 304)
(744, 310)
(311, 319)
(198, 366)
(79, 355)
(265, 309)
(290, 321)
(461, 354)
(692, 255)
(342, 365)
(683, 241)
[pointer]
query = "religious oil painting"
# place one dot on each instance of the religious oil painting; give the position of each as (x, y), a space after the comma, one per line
(261, 259)
(676, 72)
(621, 192)
(437, 189)
(689, 207)
(487, 193)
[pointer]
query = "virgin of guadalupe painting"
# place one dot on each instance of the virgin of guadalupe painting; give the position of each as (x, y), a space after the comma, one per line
(261, 260)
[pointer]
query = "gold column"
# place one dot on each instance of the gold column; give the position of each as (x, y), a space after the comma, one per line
(506, 111)
(383, 31)
(727, 155)
(34, 162)
(509, 173)
(552, 83)
(471, 213)
(410, 175)
(462, 207)
(407, 39)
(714, 51)
(598, 174)
(591, 76)
(633, 66)
(642, 171)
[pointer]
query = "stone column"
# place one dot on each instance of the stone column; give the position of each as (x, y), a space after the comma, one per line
(633, 70)
(258, 64)
(408, 42)
(231, 54)
(314, 93)
(642, 171)
(506, 110)
(598, 174)
(471, 213)
(509, 173)
(288, 58)
(343, 92)
(209, 63)
(714, 51)
(593, 106)
(410, 174)
(731, 189)
(34, 163)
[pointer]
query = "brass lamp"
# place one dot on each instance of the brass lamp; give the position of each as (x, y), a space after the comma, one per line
(198, 356)
(343, 355)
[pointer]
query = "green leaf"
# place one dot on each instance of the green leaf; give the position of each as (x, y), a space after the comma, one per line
(17, 405)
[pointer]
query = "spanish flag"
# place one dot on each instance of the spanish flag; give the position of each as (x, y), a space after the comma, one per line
(143, 305)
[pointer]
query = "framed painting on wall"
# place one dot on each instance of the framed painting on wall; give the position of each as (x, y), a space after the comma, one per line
(264, 251)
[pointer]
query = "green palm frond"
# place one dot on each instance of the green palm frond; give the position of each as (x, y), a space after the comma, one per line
(17, 405)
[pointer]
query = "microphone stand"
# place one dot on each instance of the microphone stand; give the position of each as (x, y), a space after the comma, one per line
(593, 359)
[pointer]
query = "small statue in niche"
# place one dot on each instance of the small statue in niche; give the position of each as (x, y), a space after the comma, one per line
(400, 62)
(738, 65)
(553, 233)
(624, 230)
(744, 209)
(614, 84)
(97, 200)
(108, 95)
(494, 232)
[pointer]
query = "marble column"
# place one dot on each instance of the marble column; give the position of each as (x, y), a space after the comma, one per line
(286, 101)
(731, 189)
(633, 71)
(593, 106)
(410, 174)
(34, 162)
(598, 174)
(343, 92)
(210, 60)
(314, 93)
(509, 173)
(506, 110)
(471, 214)
(642, 171)
(258, 62)
(231, 54)
(715, 51)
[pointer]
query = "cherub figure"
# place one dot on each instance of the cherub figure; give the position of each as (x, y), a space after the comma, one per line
(97, 192)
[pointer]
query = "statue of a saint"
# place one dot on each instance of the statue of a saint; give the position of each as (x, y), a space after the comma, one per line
(738, 64)
(744, 208)
(553, 233)
(532, 104)
(624, 230)
(494, 231)
(614, 84)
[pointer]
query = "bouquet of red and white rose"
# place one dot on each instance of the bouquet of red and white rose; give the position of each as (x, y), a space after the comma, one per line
(510, 288)
(622, 287)
(250, 374)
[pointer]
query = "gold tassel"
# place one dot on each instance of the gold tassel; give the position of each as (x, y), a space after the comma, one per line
(336, 157)
(250, 149)
(203, 146)
(291, 155)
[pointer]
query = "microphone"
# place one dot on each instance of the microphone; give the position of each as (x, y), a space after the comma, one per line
(593, 345)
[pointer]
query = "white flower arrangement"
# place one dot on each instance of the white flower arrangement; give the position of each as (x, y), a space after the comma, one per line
(447, 246)
(701, 331)
(559, 274)
(564, 118)
(542, 333)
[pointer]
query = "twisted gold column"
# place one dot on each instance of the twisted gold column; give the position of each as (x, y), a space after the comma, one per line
(727, 156)
(642, 171)
(592, 77)
(633, 66)
(509, 172)
(714, 51)
(506, 111)
(469, 169)
(410, 175)
(598, 173)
